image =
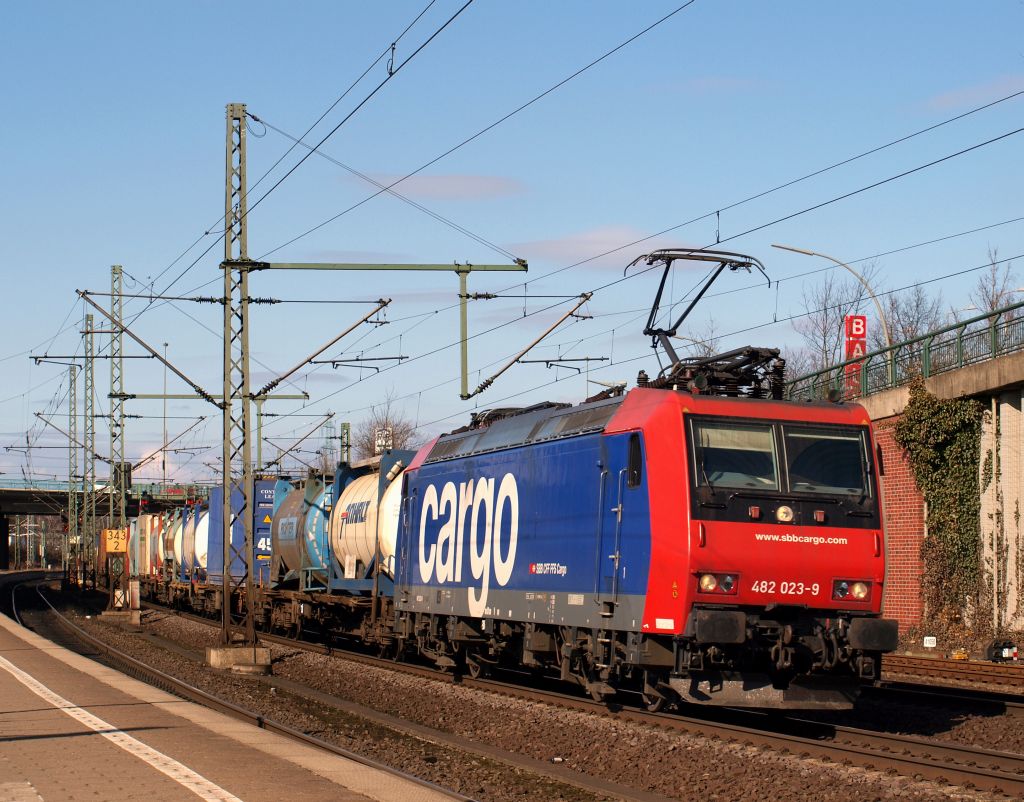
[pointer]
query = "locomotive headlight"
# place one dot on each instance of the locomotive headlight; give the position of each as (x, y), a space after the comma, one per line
(728, 583)
(784, 514)
(708, 583)
(848, 588)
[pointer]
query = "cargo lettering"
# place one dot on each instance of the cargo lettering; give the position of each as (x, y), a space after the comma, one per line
(493, 519)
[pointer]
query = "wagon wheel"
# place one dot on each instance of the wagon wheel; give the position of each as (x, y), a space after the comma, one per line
(476, 669)
(653, 702)
(595, 694)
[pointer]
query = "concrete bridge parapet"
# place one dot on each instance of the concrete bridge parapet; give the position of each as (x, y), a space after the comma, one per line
(999, 385)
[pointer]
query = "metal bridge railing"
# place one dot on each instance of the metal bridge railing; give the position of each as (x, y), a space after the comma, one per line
(964, 343)
(155, 491)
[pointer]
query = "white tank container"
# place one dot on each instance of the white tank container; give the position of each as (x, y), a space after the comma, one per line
(152, 545)
(157, 542)
(188, 541)
(202, 540)
(136, 546)
(142, 534)
(170, 519)
(177, 541)
(360, 519)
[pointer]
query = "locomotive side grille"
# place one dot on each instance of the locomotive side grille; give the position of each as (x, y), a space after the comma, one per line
(545, 424)
(584, 420)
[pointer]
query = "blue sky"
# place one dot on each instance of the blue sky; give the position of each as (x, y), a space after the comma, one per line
(114, 133)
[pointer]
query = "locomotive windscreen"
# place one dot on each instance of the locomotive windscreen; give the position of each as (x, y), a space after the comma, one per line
(737, 454)
(734, 454)
(826, 460)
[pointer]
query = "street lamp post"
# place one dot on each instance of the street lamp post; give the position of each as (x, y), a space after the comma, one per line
(867, 289)
(163, 451)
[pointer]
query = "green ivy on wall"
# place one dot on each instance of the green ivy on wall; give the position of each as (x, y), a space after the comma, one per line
(943, 440)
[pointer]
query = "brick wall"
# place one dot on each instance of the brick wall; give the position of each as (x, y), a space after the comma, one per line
(903, 507)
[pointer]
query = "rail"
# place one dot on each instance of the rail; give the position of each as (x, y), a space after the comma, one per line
(964, 343)
(907, 755)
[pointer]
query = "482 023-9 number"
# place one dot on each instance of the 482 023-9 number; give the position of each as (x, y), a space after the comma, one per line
(785, 587)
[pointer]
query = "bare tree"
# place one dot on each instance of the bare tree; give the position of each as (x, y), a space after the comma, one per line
(996, 286)
(910, 314)
(385, 415)
(701, 342)
(325, 460)
(800, 361)
(822, 327)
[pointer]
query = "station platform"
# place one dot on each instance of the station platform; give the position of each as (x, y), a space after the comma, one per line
(72, 729)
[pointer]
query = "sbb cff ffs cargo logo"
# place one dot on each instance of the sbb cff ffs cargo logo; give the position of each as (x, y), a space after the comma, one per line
(491, 510)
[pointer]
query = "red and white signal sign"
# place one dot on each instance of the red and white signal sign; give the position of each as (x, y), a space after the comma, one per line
(856, 348)
(856, 327)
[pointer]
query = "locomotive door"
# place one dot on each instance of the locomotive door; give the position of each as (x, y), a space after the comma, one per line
(616, 485)
(608, 558)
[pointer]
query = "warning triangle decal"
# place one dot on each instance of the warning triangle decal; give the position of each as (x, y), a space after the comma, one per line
(266, 519)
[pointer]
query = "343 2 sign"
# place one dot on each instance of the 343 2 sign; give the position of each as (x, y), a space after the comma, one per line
(116, 540)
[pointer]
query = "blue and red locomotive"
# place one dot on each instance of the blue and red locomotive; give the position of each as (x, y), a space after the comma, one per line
(721, 550)
(695, 539)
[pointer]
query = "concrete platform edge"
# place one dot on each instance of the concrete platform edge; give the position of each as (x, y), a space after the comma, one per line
(342, 771)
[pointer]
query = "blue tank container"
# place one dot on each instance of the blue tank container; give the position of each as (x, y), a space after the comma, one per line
(261, 531)
(301, 533)
(264, 503)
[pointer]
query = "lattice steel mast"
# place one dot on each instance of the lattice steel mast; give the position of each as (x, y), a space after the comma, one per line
(236, 625)
(118, 491)
(71, 537)
(89, 446)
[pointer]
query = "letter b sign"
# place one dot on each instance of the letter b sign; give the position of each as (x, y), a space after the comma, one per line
(856, 327)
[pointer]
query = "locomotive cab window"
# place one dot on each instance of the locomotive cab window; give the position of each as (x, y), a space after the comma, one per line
(734, 454)
(635, 468)
(830, 460)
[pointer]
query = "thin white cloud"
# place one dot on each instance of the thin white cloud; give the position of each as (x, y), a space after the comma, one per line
(581, 245)
(979, 93)
(453, 187)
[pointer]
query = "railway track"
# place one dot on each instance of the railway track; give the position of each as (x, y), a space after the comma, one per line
(1007, 677)
(910, 756)
(135, 668)
(1010, 704)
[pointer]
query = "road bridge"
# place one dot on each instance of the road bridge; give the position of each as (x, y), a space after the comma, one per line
(980, 358)
(41, 497)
